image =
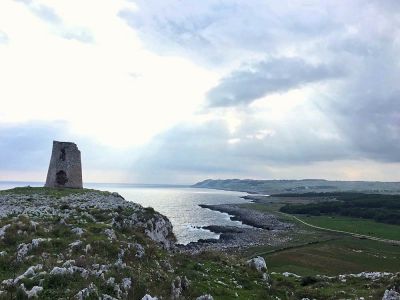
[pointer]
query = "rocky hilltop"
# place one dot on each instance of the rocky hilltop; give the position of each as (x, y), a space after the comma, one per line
(92, 239)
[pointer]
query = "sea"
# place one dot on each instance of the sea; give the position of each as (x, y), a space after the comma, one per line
(179, 203)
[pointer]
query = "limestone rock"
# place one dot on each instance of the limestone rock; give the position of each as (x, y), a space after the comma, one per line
(257, 263)
(158, 229)
(77, 230)
(33, 293)
(391, 295)
(23, 249)
(185, 283)
(176, 288)
(110, 234)
(65, 169)
(86, 292)
(139, 250)
(205, 297)
(3, 230)
(126, 283)
(148, 297)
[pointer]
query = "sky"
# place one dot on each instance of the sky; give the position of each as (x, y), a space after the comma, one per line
(178, 91)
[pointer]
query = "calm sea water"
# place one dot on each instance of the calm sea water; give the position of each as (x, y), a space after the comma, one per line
(179, 204)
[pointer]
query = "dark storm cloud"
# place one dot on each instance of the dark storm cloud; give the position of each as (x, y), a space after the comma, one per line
(268, 77)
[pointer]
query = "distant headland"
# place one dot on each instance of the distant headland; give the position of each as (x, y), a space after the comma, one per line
(299, 186)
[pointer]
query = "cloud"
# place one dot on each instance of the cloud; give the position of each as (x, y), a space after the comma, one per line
(210, 148)
(27, 147)
(324, 76)
(367, 110)
(366, 106)
(267, 77)
(49, 15)
(3, 37)
(217, 32)
(42, 11)
(80, 34)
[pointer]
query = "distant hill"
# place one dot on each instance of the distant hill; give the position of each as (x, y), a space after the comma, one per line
(299, 186)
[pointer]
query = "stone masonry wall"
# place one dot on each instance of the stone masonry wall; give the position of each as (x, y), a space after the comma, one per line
(65, 169)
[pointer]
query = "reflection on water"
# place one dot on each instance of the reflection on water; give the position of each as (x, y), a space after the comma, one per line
(179, 204)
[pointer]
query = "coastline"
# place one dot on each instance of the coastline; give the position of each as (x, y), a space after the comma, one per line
(261, 229)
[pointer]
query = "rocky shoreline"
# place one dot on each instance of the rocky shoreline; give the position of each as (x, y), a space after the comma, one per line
(251, 217)
(262, 229)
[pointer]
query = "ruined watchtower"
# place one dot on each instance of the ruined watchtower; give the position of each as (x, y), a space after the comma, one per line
(65, 169)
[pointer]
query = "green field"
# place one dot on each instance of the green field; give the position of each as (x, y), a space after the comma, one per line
(361, 226)
(346, 255)
(313, 251)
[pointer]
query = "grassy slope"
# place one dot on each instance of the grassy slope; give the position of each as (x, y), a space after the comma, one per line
(346, 255)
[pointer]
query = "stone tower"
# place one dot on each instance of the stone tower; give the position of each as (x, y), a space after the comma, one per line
(65, 169)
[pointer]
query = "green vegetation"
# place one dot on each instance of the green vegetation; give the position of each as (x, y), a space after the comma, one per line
(355, 225)
(322, 288)
(311, 251)
(378, 207)
(53, 192)
(339, 256)
(223, 276)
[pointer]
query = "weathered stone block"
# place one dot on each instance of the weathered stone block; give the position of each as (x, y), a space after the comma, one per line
(65, 169)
